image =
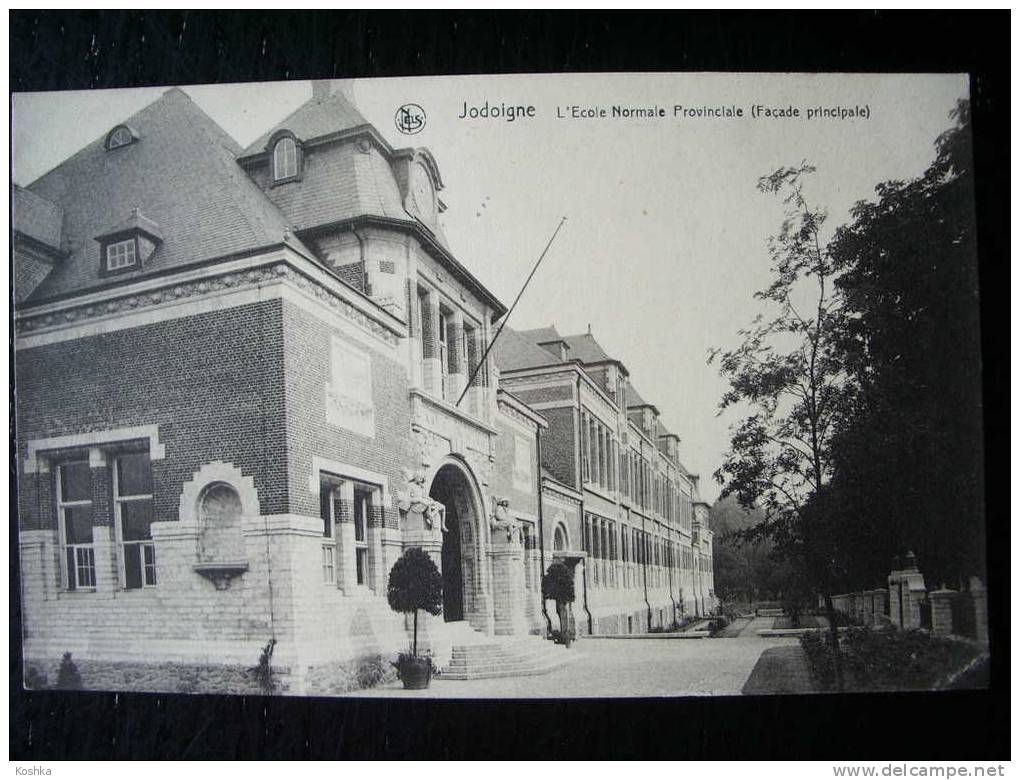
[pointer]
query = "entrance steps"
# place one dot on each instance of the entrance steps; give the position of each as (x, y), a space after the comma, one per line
(504, 657)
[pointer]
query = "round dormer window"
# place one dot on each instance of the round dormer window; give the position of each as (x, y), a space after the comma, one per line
(119, 136)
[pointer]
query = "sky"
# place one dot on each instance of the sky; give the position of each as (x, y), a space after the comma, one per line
(666, 234)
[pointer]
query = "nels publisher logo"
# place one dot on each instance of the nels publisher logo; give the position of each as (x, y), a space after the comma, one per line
(410, 118)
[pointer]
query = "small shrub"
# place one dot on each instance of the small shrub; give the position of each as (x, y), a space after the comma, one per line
(717, 624)
(371, 670)
(887, 659)
(845, 619)
(68, 677)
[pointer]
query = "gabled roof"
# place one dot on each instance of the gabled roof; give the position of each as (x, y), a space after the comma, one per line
(182, 173)
(313, 119)
(37, 218)
(515, 350)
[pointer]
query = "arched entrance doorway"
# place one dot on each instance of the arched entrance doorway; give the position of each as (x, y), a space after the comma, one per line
(452, 488)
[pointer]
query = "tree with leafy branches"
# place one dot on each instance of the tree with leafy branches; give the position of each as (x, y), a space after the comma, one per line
(908, 453)
(787, 380)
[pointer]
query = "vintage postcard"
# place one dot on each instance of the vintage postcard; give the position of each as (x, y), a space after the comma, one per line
(500, 386)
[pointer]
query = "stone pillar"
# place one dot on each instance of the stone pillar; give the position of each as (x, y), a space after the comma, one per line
(432, 372)
(879, 599)
(343, 515)
(104, 537)
(942, 611)
(377, 572)
(975, 604)
(508, 592)
(906, 592)
(106, 557)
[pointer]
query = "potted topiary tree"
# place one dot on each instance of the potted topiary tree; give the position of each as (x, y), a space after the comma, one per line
(415, 583)
(558, 585)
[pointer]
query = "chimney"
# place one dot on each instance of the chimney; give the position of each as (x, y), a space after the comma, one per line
(323, 88)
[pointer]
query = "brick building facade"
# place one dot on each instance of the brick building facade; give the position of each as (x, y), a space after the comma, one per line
(243, 389)
(638, 536)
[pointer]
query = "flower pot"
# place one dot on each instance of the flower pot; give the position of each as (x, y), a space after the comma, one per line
(415, 673)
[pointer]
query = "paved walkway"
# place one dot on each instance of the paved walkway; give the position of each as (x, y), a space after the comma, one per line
(781, 670)
(751, 629)
(620, 668)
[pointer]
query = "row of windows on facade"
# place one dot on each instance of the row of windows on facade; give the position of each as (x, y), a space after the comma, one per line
(602, 464)
(343, 500)
(456, 352)
(606, 543)
(133, 513)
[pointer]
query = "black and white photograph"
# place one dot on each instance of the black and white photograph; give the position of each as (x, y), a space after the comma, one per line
(484, 386)
(323, 391)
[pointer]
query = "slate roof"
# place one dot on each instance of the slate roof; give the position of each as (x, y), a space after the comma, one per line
(542, 335)
(585, 348)
(634, 397)
(36, 217)
(337, 184)
(137, 221)
(313, 119)
(516, 349)
(182, 173)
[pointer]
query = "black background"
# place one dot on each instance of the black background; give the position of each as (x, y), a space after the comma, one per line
(52, 51)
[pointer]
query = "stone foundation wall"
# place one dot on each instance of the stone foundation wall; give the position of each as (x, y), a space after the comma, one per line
(157, 677)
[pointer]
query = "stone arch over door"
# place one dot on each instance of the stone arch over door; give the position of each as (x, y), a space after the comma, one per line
(464, 555)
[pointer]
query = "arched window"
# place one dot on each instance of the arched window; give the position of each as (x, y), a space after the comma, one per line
(285, 159)
(560, 538)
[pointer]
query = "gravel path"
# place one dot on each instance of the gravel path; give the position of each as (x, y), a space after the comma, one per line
(621, 668)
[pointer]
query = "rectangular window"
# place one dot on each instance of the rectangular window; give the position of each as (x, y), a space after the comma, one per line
(121, 254)
(362, 507)
(444, 355)
(328, 563)
(423, 313)
(326, 512)
(134, 512)
(74, 510)
(585, 459)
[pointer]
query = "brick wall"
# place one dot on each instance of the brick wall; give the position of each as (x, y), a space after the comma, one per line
(213, 383)
(536, 395)
(559, 449)
(307, 350)
(503, 472)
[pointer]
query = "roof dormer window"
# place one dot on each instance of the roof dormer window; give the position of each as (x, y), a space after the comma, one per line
(128, 246)
(121, 255)
(121, 135)
(285, 160)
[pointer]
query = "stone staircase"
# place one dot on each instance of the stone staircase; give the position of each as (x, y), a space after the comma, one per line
(490, 657)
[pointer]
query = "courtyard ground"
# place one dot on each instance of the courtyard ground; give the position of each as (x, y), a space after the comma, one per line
(780, 670)
(621, 668)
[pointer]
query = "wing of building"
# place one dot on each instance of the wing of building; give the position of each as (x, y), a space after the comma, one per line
(249, 379)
